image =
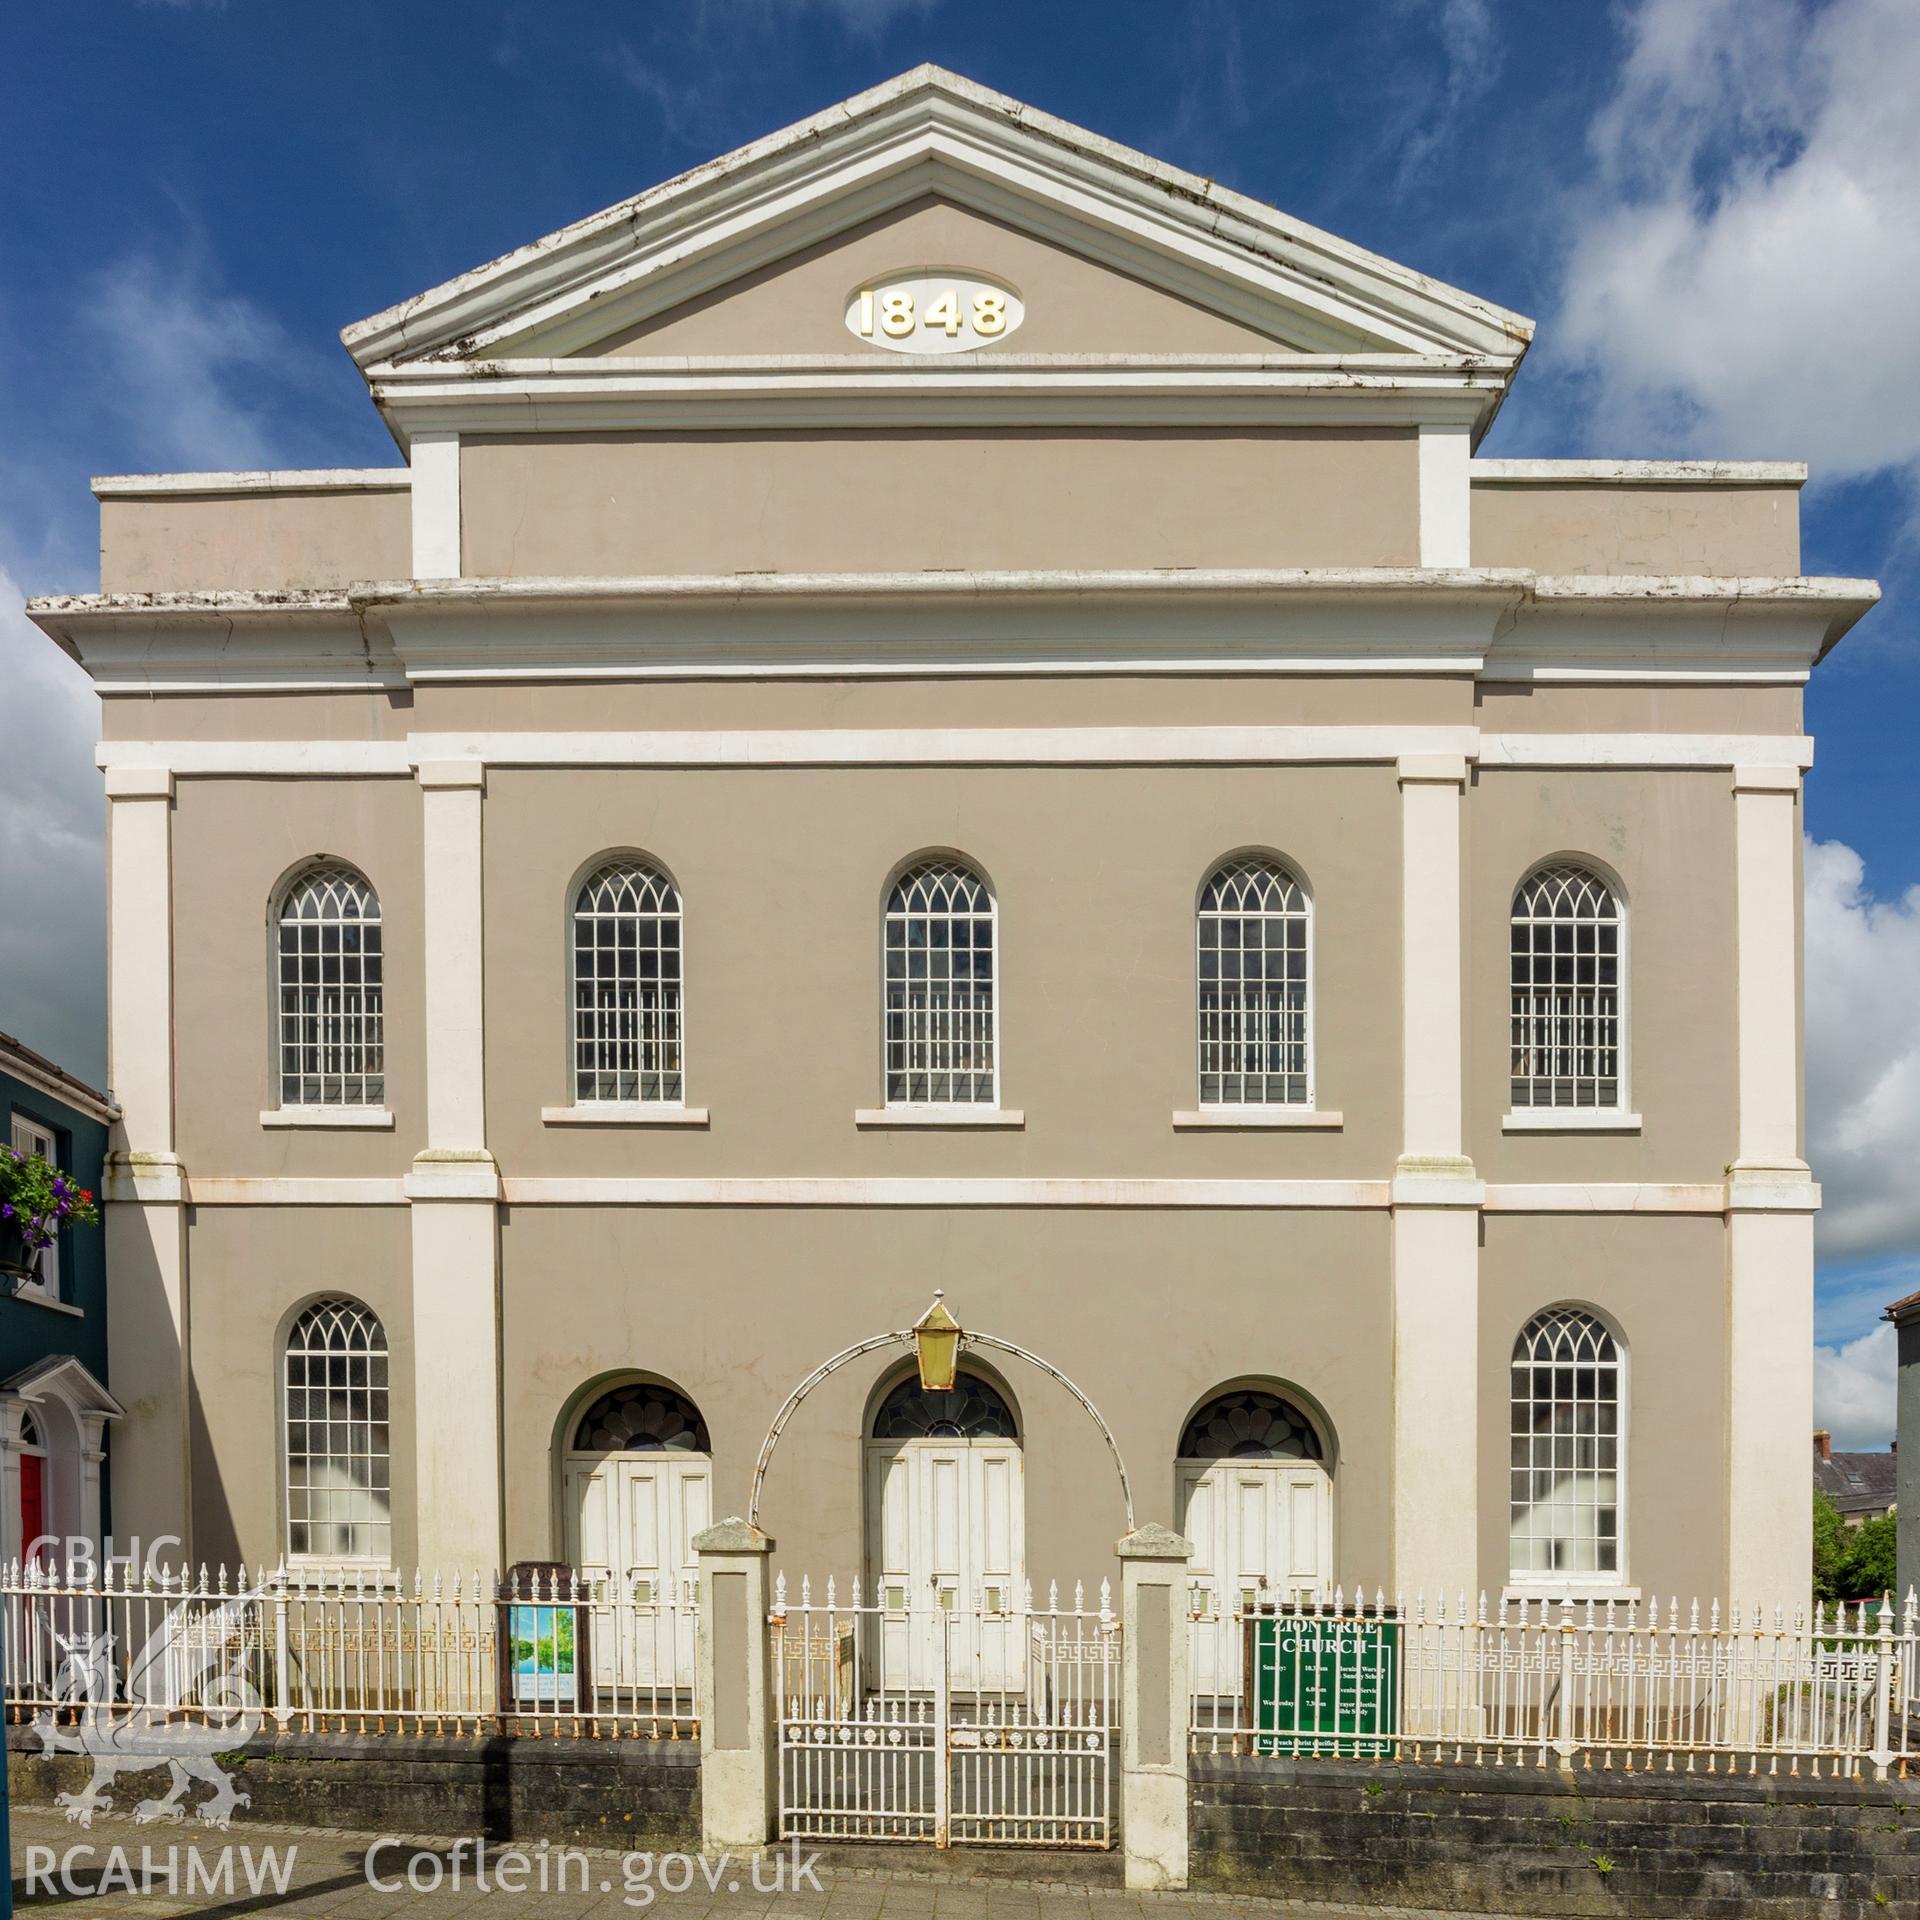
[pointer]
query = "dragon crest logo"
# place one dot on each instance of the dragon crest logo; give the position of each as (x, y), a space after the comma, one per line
(184, 1698)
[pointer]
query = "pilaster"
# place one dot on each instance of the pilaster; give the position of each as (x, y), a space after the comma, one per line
(435, 462)
(144, 1187)
(1771, 1201)
(1446, 495)
(1436, 1197)
(454, 1191)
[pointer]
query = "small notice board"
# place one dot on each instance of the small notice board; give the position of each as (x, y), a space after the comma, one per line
(1324, 1684)
(543, 1642)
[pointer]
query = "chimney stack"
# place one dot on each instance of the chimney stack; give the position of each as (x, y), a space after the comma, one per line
(1823, 1443)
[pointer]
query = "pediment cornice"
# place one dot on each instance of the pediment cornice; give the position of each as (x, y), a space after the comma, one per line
(930, 131)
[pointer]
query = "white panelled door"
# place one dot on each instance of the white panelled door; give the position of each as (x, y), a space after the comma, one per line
(946, 1524)
(1262, 1530)
(633, 1519)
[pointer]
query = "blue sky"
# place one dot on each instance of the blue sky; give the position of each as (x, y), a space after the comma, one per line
(1712, 207)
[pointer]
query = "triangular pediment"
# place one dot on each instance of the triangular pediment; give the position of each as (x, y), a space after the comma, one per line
(1114, 253)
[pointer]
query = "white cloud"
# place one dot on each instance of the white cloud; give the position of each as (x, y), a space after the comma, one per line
(52, 850)
(1472, 55)
(177, 359)
(1744, 276)
(1853, 1391)
(1863, 1056)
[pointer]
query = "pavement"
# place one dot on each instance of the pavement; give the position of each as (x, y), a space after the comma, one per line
(154, 1872)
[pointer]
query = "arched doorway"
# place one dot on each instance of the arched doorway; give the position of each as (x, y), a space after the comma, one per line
(946, 1525)
(638, 1487)
(1253, 1493)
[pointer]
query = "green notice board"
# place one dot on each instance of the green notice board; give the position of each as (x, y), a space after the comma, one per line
(1325, 1685)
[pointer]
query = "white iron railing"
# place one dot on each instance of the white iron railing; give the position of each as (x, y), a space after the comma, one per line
(946, 1717)
(354, 1651)
(1607, 1684)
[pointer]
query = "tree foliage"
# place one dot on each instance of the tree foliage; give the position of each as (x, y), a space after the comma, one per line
(1851, 1563)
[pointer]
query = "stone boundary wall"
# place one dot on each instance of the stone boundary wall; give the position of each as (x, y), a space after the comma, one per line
(1526, 1841)
(641, 1795)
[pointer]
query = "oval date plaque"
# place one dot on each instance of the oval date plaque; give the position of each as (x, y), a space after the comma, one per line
(933, 310)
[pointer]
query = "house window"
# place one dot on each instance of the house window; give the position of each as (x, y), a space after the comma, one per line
(30, 1137)
(331, 1037)
(338, 1487)
(626, 986)
(940, 1002)
(1255, 993)
(1567, 948)
(1566, 1465)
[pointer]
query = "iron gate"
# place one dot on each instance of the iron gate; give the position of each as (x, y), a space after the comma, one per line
(976, 1718)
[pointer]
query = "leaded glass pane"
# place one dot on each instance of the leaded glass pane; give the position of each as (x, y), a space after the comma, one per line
(937, 1026)
(1564, 1492)
(627, 986)
(338, 1465)
(1255, 1018)
(1566, 989)
(331, 1038)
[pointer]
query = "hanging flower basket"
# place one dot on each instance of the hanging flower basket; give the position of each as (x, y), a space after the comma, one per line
(36, 1200)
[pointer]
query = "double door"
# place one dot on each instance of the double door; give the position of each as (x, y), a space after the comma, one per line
(1262, 1533)
(946, 1522)
(634, 1517)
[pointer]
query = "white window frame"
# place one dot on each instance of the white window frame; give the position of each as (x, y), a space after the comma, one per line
(1249, 857)
(323, 1111)
(962, 1111)
(287, 1351)
(1619, 1117)
(35, 1136)
(586, 1107)
(1570, 1583)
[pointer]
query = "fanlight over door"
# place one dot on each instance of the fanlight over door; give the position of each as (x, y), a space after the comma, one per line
(639, 1479)
(1254, 1496)
(946, 1530)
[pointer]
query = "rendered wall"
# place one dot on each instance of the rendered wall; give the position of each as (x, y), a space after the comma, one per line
(879, 501)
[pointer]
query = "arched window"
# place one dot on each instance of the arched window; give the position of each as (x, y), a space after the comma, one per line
(641, 1416)
(971, 1409)
(339, 1493)
(626, 986)
(1568, 1428)
(1568, 946)
(1256, 1019)
(940, 1015)
(331, 1037)
(1250, 1424)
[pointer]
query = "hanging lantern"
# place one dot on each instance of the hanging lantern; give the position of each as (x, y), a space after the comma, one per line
(936, 1346)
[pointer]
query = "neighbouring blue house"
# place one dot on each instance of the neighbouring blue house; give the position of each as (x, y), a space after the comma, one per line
(54, 1405)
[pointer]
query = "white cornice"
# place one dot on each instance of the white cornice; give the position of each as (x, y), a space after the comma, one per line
(924, 130)
(144, 486)
(1639, 473)
(971, 389)
(1494, 623)
(1449, 749)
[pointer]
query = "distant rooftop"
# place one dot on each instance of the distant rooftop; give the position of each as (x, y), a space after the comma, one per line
(15, 1053)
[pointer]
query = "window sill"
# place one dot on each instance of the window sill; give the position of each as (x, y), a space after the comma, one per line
(1254, 1119)
(623, 1113)
(954, 1116)
(33, 1298)
(1569, 1120)
(1577, 1591)
(326, 1117)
